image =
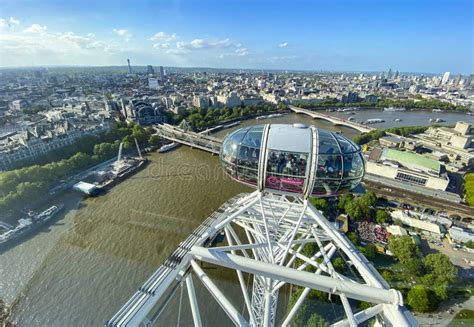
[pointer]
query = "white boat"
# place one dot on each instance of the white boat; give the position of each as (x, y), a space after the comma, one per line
(374, 121)
(275, 115)
(437, 110)
(168, 147)
(393, 109)
(350, 118)
(397, 119)
(261, 117)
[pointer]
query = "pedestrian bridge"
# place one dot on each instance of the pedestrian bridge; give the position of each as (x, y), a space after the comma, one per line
(335, 120)
(195, 140)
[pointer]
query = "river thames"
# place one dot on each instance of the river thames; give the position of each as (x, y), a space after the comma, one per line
(80, 270)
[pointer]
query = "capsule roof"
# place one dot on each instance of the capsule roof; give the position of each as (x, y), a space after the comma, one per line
(297, 159)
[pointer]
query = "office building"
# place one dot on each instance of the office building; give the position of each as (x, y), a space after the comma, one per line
(153, 83)
(445, 78)
(407, 167)
(150, 70)
(162, 73)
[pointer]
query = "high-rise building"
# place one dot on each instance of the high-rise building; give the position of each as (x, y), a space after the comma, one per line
(129, 67)
(389, 73)
(162, 74)
(445, 78)
(457, 80)
(396, 75)
(469, 81)
(153, 83)
(150, 70)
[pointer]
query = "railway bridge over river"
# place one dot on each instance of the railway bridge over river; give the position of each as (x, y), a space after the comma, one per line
(200, 140)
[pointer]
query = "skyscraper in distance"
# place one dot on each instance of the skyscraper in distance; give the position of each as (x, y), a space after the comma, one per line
(162, 74)
(129, 67)
(457, 80)
(445, 78)
(150, 70)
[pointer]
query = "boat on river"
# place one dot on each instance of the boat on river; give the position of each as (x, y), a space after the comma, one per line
(168, 147)
(374, 121)
(394, 109)
(30, 223)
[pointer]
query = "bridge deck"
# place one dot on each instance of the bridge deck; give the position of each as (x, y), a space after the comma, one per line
(335, 120)
(192, 139)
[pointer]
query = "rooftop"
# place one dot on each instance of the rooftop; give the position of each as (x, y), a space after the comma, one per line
(411, 159)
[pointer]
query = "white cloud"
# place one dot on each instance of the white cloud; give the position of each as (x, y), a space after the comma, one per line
(38, 46)
(198, 44)
(14, 21)
(8, 23)
(241, 52)
(162, 46)
(125, 34)
(35, 28)
(91, 35)
(283, 45)
(163, 37)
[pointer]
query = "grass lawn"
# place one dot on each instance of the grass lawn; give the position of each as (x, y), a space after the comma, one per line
(463, 318)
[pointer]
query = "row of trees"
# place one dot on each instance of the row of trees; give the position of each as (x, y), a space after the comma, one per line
(378, 133)
(417, 103)
(469, 189)
(20, 186)
(203, 118)
(432, 275)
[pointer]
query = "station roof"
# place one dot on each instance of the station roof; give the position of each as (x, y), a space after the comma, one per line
(411, 159)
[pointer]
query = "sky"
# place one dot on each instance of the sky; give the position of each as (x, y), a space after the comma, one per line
(346, 35)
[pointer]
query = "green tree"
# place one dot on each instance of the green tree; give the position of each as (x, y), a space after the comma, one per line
(406, 252)
(368, 199)
(154, 140)
(355, 210)
(369, 250)
(421, 299)
(353, 237)
(339, 264)
(381, 216)
(440, 272)
(320, 204)
(343, 201)
(316, 320)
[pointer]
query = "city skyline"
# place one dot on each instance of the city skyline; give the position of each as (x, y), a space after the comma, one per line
(346, 36)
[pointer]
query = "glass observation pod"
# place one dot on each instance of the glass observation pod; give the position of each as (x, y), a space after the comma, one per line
(293, 159)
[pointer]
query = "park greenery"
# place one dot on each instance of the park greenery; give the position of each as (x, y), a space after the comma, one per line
(469, 244)
(202, 118)
(378, 133)
(357, 208)
(465, 317)
(424, 281)
(469, 189)
(19, 186)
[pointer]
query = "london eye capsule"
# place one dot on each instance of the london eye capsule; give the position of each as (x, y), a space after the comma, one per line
(296, 159)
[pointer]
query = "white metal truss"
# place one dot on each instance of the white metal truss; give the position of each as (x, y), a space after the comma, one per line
(276, 229)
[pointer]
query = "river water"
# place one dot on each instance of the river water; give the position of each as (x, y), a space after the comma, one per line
(80, 270)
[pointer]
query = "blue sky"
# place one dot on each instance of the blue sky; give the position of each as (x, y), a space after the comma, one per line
(354, 35)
